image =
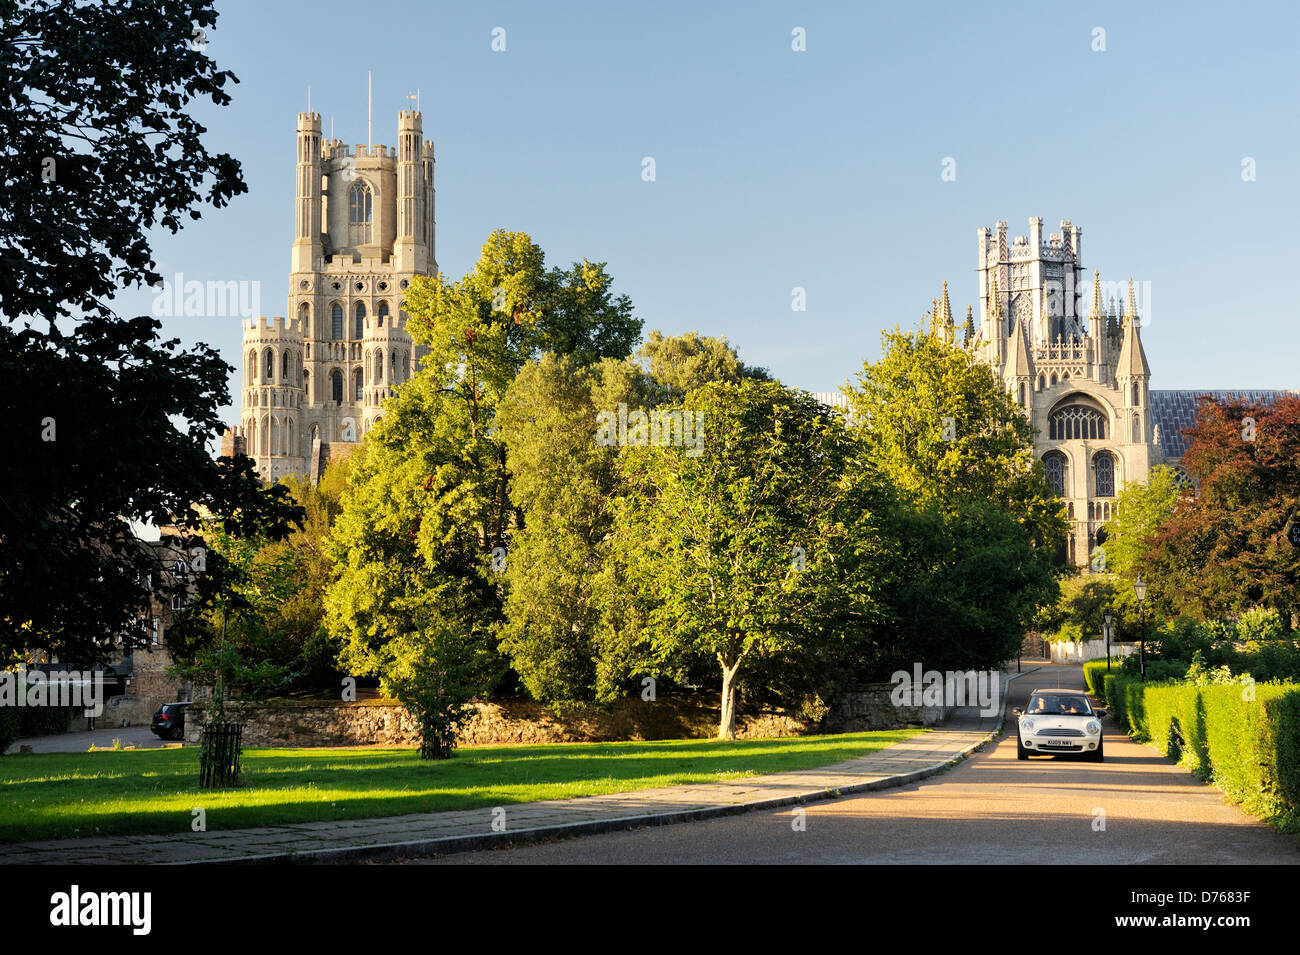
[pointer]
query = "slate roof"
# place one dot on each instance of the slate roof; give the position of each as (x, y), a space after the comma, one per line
(1174, 411)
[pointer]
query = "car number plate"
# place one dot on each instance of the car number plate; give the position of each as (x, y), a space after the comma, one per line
(1057, 742)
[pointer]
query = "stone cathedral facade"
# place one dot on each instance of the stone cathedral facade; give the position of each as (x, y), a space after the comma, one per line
(1084, 384)
(314, 381)
(1073, 360)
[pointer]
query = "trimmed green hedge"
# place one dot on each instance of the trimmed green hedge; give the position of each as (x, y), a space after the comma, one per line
(1094, 675)
(1249, 748)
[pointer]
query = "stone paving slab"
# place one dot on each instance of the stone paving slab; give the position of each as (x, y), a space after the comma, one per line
(423, 833)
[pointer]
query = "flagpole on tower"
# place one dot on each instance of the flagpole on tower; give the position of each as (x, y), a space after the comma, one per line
(370, 109)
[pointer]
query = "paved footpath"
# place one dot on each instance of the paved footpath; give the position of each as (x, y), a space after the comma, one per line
(402, 836)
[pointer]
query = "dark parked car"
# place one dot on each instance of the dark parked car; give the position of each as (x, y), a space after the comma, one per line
(169, 721)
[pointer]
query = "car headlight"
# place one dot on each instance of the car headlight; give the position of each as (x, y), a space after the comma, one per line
(1026, 724)
(1093, 728)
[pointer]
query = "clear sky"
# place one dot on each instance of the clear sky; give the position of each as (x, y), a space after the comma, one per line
(819, 169)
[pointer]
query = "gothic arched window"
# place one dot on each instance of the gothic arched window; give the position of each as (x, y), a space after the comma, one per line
(1056, 466)
(336, 386)
(356, 380)
(336, 322)
(360, 324)
(360, 213)
(1076, 421)
(383, 313)
(284, 372)
(1103, 469)
(268, 365)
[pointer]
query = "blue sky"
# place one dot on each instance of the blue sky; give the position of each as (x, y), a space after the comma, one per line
(818, 169)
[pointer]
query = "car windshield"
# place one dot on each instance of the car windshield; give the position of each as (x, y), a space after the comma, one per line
(1050, 704)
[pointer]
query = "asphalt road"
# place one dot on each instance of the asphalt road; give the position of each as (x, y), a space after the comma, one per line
(141, 737)
(1136, 807)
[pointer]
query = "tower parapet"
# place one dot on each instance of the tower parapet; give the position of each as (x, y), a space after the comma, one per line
(364, 228)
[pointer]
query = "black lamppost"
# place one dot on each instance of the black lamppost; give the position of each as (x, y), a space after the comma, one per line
(1140, 591)
(1108, 619)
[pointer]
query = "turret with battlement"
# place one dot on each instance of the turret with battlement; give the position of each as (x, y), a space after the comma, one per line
(1083, 387)
(364, 228)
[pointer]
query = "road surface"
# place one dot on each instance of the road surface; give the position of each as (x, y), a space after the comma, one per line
(1136, 807)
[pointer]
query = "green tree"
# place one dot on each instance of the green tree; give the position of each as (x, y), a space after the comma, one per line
(260, 606)
(682, 363)
(562, 482)
(733, 552)
(976, 522)
(111, 422)
(1141, 510)
(231, 632)
(423, 538)
(942, 429)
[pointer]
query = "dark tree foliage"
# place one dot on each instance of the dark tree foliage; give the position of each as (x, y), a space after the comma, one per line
(104, 423)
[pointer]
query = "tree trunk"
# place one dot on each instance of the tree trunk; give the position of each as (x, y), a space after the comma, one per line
(727, 726)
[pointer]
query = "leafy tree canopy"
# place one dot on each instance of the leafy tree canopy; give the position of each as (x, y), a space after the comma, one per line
(110, 421)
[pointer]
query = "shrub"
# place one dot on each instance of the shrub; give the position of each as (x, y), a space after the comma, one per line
(1115, 686)
(47, 720)
(1094, 675)
(1259, 623)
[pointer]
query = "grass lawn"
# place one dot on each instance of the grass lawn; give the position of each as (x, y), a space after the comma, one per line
(54, 795)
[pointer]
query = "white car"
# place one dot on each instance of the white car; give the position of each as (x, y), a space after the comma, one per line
(1059, 721)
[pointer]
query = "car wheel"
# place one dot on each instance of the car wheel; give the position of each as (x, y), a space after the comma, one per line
(1021, 752)
(178, 733)
(1099, 756)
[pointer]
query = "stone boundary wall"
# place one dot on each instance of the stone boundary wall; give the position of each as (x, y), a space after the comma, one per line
(386, 723)
(869, 707)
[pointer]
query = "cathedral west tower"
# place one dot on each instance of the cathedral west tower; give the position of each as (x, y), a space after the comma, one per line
(314, 381)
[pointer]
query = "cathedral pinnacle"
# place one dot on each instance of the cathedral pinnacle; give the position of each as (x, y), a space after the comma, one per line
(1097, 316)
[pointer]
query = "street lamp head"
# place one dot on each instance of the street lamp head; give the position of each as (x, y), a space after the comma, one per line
(1140, 588)
(1109, 619)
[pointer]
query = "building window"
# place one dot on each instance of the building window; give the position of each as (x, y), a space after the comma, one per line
(359, 214)
(284, 372)
(178, 602)
(1076, 421)
(356, 378)
(268, 366)
(1054, 464)
(1103, 467)
(383, 313)
(1022, 395)
(360, 325)
(157, 631)
(336, 321)
(336, 386)
(1136, 393)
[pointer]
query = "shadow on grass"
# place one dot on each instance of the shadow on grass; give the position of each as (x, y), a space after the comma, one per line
(153, 791)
